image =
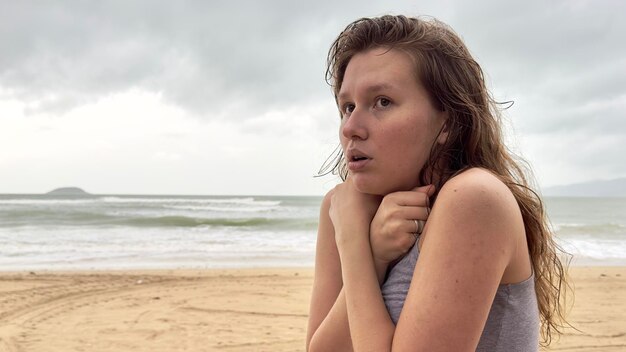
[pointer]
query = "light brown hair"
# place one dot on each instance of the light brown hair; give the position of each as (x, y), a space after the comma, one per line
(455, 83)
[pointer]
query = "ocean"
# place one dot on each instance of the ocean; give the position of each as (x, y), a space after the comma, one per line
(43, 232)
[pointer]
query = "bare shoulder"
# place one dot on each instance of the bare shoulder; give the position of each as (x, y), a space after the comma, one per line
(469, 242)
(326, 200)
(479, 189)
(477, 205)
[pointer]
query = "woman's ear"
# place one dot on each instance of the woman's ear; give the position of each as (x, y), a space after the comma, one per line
(442, 137)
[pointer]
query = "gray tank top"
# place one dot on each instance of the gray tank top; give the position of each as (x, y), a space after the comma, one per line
(513, 321)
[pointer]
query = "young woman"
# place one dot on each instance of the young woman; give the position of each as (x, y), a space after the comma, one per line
(420, 138)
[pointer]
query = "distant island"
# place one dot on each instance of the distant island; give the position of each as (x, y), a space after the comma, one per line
(68, 191)
(598, 188)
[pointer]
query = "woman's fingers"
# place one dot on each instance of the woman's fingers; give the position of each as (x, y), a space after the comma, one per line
(402, 221)
(417, 197)
(428, 189)
(393, 229)
(417, 213)
(398, 210)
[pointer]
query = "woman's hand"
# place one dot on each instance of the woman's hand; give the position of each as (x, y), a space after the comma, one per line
(351, 211)
(393, 228)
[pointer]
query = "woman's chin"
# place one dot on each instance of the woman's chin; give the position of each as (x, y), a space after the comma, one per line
(368, 186)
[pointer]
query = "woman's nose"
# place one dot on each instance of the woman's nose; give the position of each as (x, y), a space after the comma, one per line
(355, 125)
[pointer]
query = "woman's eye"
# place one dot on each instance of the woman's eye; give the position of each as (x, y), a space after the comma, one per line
(348, 109)
(382, 102)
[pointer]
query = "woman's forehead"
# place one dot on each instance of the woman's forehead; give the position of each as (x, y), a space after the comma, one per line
(377, 70)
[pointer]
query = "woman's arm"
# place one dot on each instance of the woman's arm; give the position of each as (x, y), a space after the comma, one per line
(371, 327)
(391, 236)
(468, 243)
(471, 240)
(351, 213)
(328, 321)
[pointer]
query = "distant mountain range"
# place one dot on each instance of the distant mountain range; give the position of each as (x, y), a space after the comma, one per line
(598, 188)
(68, 191)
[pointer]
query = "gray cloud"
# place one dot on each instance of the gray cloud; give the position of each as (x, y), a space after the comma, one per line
(562, 62)
(563, 57)
(202, 55)
(252, 56)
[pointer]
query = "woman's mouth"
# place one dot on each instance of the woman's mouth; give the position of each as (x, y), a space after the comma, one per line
(357, 161)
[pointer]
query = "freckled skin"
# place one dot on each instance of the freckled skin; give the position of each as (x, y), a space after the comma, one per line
(395, 125)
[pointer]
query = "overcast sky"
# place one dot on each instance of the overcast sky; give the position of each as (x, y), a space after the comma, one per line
(207, 97)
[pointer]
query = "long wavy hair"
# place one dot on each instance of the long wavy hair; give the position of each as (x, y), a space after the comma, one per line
(456, 84)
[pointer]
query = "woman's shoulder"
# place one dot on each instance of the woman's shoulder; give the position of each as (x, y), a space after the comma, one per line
(477, 205)
(477, 184)
(481, 195)
(476, 176)
(327, 198)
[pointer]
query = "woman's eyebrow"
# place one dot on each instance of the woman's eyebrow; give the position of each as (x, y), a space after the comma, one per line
(374, 88)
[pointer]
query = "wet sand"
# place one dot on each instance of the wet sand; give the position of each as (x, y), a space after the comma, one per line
(225, 310)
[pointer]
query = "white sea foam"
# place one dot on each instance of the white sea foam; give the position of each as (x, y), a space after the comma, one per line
(233, 201)
(178, 231)
(72, 248)
(596, 249)
(238, 209)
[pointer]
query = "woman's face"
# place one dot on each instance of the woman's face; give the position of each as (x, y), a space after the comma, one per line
(388, 122)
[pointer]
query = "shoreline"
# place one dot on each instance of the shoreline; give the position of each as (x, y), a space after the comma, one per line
(245, 309)
(576, 262)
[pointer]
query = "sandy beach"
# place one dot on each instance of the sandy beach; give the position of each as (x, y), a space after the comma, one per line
(226, 310)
